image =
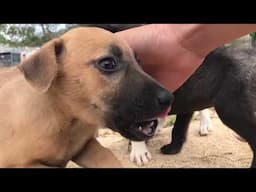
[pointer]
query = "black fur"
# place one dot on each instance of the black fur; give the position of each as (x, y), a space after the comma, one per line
(142, 98)
(227, 81)
(113, 27)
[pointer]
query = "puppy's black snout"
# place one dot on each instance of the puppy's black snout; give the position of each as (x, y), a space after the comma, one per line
(165, 98)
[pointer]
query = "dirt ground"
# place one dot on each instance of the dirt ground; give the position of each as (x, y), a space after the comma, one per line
(220, 149)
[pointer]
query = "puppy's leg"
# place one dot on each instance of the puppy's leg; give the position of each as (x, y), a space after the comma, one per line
(253, 147)
(179, 134)
(205, 123)
(237, 112)
(139, 153)
(94, 155)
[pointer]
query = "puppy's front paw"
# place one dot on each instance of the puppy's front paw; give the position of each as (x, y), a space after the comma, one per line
(204, 129)
(139, 153)
(205, 123)
(171, 149)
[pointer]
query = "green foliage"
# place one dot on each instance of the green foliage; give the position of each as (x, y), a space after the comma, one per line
(253, 36)
(30, 34)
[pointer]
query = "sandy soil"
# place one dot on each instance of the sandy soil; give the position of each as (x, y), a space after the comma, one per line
(220, 149)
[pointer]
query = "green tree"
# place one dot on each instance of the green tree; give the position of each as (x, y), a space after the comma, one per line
(253, 37)
(30, 34)
(37, 34)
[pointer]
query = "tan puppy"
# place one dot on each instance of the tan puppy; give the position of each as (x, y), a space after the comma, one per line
(52, 104)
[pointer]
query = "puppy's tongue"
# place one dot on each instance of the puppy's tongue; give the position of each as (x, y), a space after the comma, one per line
(166, 112)
(147, 130)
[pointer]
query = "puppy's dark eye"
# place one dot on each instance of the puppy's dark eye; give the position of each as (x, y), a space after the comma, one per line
(107, 65)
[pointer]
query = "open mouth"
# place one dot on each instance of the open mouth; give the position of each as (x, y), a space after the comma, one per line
(140, 129)
(147, 128)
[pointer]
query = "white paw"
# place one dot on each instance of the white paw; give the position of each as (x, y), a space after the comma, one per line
(139, 153)
(205, 123)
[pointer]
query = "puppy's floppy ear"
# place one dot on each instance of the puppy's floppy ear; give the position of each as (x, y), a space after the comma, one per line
(41, 68)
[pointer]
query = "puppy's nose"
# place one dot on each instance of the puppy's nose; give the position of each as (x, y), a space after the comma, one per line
(165, 98)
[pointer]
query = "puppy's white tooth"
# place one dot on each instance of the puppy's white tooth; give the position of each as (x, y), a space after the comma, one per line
(140, 128)
(151, 124)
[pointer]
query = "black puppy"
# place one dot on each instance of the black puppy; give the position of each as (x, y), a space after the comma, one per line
(227, 81)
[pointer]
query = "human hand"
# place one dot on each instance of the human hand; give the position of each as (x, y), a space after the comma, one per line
(162, 54)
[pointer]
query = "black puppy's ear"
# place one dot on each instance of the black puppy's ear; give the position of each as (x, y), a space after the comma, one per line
(41, 68)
